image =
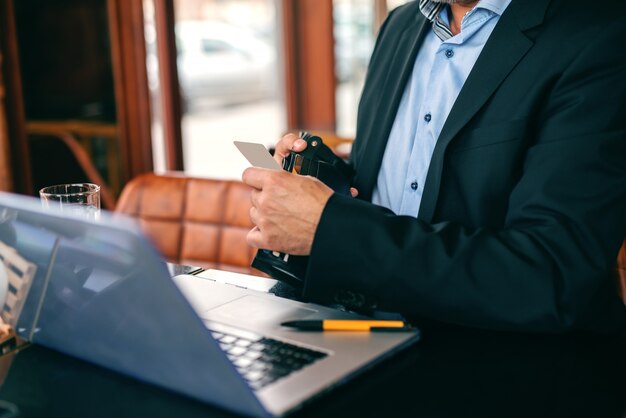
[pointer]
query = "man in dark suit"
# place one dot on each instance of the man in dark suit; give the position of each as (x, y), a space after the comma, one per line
(521, 189)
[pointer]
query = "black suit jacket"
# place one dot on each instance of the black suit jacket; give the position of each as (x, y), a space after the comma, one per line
(524, 206)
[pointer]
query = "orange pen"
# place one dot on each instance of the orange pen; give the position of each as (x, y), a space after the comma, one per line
(363, 325)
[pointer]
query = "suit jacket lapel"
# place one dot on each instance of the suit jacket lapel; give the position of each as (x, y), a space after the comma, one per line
(393, 88)
(505, 48)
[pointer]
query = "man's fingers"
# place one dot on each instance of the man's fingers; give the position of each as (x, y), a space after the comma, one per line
(256, 176)
(298, 145)
(284, 146)
(254, 237)
(354, 192)
(289, 142)
(254, 216)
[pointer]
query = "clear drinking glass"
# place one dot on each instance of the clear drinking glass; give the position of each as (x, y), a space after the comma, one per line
(81, 199)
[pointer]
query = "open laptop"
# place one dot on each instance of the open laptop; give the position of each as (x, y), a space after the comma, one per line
(101, 293)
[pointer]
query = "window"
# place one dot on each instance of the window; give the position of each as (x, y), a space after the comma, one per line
(354, 33)
(229, 71)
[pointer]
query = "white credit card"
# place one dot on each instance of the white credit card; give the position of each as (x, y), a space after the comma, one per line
(257, 155)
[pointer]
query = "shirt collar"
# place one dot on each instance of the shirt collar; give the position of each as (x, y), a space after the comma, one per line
(432, 9)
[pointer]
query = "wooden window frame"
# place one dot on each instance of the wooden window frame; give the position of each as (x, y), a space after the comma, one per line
(132, 95)
(171, 104)
(16, 144)
(309, 64)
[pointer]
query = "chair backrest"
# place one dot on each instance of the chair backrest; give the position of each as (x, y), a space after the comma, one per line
(193, 221)
(621, 271)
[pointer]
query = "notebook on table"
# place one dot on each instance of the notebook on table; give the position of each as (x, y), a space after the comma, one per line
(101, 293)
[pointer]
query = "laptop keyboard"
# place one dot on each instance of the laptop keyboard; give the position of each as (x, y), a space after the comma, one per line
(261, 360)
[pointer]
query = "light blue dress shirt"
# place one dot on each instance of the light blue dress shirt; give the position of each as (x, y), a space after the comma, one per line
(440, 70)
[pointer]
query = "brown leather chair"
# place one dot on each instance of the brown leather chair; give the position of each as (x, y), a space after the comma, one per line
(194, 221)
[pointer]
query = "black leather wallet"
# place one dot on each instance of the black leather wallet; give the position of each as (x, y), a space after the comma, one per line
(319, 161)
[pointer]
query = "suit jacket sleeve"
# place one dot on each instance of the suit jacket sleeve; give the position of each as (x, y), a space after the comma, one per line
(547, 266)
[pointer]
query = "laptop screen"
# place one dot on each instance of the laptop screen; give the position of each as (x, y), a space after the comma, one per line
(100, 292)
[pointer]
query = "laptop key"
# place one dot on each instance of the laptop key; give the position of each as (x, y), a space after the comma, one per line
(243, 343)
(237, 351)
(217, 335)
(228, 339)
(258, 366)
(243, 362)
(253, 355)
(253, 376)
(257, 347)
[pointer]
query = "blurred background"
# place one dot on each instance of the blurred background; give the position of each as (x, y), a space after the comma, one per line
(116, 88)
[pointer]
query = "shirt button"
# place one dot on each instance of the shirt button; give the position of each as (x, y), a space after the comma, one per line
(427, 117)
(414, 185)
(449, 53)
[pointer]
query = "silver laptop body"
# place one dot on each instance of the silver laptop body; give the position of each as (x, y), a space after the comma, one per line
(102, 293)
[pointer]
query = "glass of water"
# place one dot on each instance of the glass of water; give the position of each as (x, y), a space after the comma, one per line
(81, 199)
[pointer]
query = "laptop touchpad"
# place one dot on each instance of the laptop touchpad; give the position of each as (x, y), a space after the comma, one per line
(255, 310)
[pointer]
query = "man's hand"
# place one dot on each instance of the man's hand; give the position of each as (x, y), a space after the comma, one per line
(286, 209)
